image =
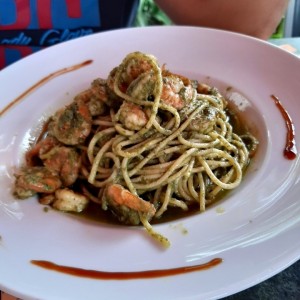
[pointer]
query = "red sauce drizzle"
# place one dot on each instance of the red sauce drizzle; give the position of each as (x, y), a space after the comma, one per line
(93, 274)
(290, 150)
(43, 81)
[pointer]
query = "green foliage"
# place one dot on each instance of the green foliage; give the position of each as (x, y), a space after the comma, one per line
(150, 14)
(279, 33)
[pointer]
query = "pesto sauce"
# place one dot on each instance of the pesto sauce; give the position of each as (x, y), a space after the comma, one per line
(95, 213)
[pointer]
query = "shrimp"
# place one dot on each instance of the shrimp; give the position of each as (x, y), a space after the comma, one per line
(72, 125)
(176, 93)
(65, 200)
(61, 160)
(206, 89)
(69, 201)
(134, 69)
(203, 88)
(97, 90)
(96, 107)
(142, 88)
(98, 97)
(40, 148)
(131, 70)
(125, 205)
(204, 121)
(34, 180)
(137, 80)
(132, 116)
(64, 161)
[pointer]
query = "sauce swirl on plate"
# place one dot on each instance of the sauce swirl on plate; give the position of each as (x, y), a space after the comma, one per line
(43, 81)
(93, 274)
(290, 150)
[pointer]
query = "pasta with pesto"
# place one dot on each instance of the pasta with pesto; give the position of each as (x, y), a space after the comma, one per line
(139, 143)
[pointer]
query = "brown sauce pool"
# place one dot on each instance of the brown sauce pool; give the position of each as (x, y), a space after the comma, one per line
(93, 274)
(95, 213)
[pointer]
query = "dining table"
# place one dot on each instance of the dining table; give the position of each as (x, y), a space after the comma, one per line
(285, 284)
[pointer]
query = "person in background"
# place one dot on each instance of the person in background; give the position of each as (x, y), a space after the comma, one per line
(27, 26)
(258, 18)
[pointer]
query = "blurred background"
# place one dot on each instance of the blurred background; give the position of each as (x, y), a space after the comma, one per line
(149, 14)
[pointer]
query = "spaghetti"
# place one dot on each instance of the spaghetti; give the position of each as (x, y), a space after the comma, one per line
(146, 141)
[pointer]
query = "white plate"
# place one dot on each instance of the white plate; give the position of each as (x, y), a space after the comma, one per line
(255, 230)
